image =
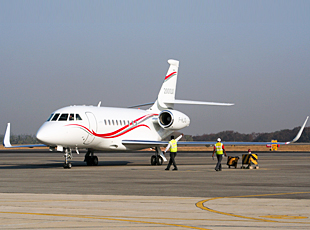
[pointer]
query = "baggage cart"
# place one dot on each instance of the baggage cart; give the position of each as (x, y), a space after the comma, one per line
(251, 160)
(232, 161)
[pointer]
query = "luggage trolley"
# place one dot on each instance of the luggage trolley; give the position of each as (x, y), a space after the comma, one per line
(232, 161)
(251, 160)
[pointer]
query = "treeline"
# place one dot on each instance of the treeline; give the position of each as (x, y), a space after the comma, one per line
(282, 135)
(22, 139)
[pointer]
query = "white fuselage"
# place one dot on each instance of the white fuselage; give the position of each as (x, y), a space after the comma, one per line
(100, 128)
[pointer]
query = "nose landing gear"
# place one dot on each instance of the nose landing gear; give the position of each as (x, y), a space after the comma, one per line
(67, 155)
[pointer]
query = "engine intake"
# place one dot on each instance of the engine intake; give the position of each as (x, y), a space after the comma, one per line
(172, 119)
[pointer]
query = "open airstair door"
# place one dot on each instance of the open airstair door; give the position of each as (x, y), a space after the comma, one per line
(92, 127)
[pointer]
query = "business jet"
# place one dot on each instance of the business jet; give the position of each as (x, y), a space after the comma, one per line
(107, 128)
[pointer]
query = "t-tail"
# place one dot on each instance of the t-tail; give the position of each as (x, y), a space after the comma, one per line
(166, 97)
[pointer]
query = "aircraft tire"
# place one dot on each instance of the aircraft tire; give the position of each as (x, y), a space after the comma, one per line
(159, 160)
(153, 160)
(88, 160)
(95, 161)
(91, 161)
(67, 166)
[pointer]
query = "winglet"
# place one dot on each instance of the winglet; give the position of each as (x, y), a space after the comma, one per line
(299, 133)
(6, 139)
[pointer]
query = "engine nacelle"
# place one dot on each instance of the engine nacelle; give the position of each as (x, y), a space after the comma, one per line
(172, 119)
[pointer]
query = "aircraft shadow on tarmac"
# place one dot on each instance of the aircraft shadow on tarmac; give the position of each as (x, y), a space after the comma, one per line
(58, 164)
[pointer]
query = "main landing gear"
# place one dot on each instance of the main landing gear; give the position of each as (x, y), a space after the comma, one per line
(90, 158)
(157, 159)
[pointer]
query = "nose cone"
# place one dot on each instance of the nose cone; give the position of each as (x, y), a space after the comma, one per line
(43, 134)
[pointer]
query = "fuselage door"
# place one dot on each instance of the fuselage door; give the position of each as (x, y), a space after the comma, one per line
(92, 127)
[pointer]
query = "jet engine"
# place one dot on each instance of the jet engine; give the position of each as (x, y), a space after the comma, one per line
(172, 119)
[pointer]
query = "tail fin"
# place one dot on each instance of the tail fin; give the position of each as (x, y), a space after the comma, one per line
(168, 88)
(166, 97)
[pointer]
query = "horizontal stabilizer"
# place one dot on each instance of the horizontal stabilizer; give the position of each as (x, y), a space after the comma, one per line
(188, 102)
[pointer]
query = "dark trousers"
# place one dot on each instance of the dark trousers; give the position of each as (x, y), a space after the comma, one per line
(219, 162)
(172, 161)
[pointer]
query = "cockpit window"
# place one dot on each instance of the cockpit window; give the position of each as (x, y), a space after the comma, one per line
(71, 117)
(77, 117)
(50, 117)
(63, 117)
(55, 117)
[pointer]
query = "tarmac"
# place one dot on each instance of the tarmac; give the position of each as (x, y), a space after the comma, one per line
(125, 191)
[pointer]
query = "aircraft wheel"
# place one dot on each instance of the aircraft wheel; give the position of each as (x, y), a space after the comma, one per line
(153, 160)
(67, 166)
(88, 160)
(159, 160)
(95, 160)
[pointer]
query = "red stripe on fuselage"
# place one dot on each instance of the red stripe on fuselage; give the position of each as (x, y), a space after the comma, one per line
(115, 133)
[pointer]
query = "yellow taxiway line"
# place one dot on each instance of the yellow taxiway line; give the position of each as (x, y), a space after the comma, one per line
(200, 205)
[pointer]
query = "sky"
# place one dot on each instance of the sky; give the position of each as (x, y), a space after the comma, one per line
(255, 54)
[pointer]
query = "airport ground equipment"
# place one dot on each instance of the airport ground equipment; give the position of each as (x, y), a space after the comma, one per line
(251, 160)
(232, 161)
(274, 147)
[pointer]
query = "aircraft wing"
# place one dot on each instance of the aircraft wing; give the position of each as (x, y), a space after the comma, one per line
(150, 144)
(7, 143)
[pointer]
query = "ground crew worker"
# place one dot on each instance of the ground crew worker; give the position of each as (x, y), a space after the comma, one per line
(219, 149)
(173, 151)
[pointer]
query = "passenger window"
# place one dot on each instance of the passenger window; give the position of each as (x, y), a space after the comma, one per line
(116, 122)
(77, 117)
(120, 122)
(109, 122)
(55, 117)
(50, 117)
(71, 117)
(105, 122)
(112, 122)
(124, 122)
(63, 117)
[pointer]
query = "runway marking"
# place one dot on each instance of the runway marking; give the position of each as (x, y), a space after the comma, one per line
(284, 217)
(200, 205)
(104, 218)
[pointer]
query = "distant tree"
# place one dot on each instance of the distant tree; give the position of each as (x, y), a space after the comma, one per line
(282, 135)
(22, 139)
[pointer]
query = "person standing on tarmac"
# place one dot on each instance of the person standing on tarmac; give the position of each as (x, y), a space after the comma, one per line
(173, 151)
(219, 149)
